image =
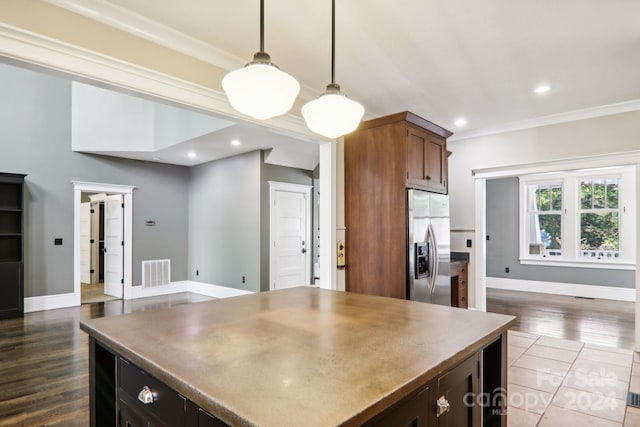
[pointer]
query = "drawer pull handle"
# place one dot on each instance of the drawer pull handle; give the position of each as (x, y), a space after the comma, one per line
(442, 406)
(146, 396)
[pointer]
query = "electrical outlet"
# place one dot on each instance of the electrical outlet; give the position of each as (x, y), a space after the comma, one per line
(244, 279)
(468, 243)
(506, 269)
(488, 237)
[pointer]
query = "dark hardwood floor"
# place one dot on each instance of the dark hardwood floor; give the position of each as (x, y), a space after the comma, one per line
(44, 370)
(44, 357)
(595, 321)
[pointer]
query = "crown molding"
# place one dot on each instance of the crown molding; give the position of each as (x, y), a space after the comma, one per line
(30, 48)
(143, 27)
(148, 29)
(569, 116)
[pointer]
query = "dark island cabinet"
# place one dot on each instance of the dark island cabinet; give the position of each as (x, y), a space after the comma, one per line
(447, 401)
(11, 245)
(124, 395)
(399, 376)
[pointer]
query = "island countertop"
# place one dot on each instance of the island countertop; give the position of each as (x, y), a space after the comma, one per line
(300, 356)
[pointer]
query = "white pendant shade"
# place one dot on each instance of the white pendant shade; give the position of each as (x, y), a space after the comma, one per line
(332, 114)
(261, 90)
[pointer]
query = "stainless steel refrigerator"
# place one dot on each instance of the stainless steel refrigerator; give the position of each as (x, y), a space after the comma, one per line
(429, 247)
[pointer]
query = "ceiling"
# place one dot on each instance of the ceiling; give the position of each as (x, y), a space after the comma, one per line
(442, 60)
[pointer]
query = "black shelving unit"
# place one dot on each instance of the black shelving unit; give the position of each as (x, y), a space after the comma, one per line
(11, 245)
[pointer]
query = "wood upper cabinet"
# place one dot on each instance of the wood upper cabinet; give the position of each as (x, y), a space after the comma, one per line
(426, 160)
(383, 158)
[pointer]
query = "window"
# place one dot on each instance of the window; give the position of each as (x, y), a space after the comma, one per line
(599, 218)
(578, 218)
(544, 218)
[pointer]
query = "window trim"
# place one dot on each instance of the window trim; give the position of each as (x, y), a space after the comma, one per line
(571, 222)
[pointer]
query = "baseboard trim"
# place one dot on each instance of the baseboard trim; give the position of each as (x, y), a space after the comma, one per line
(50, 302)
(171, 288)
(206, 289)
(568, 289)
(214, 291)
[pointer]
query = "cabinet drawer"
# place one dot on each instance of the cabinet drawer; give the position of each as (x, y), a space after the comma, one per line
(205, 419)
(168, 407)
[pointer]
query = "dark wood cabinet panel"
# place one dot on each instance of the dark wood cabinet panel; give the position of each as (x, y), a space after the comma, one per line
(383, 158)
(447, 401)
(414, 411)
(436, 164)
(11, 246)
(416, 156)
(205, 419)
(166, 407)
(375, 211)
(426, 160)
(114, 396)
(10, 292)
(458, 390)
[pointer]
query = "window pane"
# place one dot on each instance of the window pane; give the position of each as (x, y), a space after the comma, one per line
(598, 194)
(586, 192)
(532, 202)
(536, 247)
(556, 197)
(551, 231)
(545, 197)
(612, 193)
(599, 232)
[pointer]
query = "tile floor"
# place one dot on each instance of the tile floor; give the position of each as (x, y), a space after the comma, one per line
(556, 382)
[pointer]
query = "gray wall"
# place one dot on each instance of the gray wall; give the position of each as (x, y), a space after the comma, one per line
(280, 174)
(224, 222)
(35, 139)
(503, 250)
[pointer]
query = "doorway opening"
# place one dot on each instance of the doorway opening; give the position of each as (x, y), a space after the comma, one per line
(102, 242)
(101, 255)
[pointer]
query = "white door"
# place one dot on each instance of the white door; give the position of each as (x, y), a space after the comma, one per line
(290, 250)
(113, 245)
(85, 242)
(96, 253)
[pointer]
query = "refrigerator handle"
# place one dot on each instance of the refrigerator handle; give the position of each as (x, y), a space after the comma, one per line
(431, 236)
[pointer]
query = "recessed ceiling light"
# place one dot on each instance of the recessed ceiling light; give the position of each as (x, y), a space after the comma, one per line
(460, 122)
(192, 155)
(542, 89)
(235, 142)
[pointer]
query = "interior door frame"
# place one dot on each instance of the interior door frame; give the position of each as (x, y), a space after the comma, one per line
(127, 192)
(275, 186)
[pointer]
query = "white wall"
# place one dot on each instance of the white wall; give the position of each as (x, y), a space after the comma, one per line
(104, 120)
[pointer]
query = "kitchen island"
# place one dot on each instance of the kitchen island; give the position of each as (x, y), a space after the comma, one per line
(300, 356)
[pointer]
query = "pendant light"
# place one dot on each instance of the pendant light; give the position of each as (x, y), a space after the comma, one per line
(260, 89)
(332, 114)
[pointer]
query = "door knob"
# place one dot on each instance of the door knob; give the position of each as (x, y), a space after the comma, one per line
(304, 251)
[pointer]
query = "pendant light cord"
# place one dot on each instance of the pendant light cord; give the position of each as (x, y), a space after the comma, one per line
(333, 40)
(261, 25)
